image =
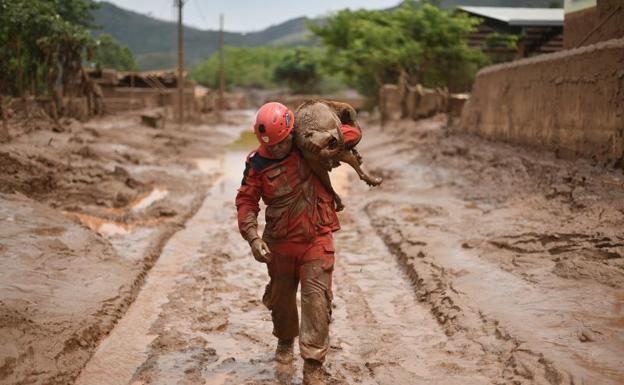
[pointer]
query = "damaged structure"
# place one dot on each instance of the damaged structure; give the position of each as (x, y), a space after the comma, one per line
(123, 91)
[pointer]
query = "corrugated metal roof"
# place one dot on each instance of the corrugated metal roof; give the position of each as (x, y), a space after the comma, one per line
(520, 16)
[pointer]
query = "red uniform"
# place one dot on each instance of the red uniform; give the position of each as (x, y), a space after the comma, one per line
(300, 218)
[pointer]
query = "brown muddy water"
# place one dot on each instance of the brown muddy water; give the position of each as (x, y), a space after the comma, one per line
(199, 317)
(107, 227)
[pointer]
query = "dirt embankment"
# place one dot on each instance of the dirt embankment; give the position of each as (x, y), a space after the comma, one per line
(85, 210)
(519, 251)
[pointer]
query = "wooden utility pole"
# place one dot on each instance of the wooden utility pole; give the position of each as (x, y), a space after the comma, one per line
(221, 66)
(180, 4)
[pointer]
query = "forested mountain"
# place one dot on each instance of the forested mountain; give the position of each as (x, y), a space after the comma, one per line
(153, 41)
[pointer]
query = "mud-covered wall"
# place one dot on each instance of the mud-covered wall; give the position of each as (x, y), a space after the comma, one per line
(571, 102)
(592, 25)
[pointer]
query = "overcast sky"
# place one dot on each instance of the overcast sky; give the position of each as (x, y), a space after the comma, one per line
(245, 15)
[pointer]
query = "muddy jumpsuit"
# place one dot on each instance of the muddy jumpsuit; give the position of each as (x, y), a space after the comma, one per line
(300, 219)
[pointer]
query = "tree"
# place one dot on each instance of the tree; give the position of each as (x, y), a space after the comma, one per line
(299, 70)
(421, 43)
(109, 53)
(364, 46)
(42, 42)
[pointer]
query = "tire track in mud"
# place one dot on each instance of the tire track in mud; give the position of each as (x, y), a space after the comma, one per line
(497, 259)
(382, 326)
(523, 359)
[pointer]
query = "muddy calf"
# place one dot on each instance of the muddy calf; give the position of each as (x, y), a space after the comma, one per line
(320, 138)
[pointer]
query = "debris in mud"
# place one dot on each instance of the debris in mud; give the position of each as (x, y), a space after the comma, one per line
(153, 120)
(586, 336)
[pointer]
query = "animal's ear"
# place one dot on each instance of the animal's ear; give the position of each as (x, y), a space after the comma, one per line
(346, 113)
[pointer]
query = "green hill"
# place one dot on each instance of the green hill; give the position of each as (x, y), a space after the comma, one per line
(153, 42)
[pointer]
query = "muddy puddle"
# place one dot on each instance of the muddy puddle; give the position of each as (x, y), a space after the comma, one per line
(148, 198)
(108, 227)
(101, 225)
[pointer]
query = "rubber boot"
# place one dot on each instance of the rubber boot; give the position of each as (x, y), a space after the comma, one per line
(313, 373)
(284, 352)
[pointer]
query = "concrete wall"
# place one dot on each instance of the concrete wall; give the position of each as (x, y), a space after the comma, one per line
(591, 25)
(571, 102)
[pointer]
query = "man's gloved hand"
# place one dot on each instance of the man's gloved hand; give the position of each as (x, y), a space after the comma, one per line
(260, 250)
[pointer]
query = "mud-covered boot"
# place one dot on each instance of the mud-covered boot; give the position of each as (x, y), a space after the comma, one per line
(313, 373)
(284, 352)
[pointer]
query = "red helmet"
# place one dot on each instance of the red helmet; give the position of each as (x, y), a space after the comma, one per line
(274, 122)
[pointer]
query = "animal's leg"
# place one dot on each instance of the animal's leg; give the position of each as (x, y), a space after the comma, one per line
(357, 156)
(352, 160)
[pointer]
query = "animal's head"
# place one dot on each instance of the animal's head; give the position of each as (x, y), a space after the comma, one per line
(317, 122)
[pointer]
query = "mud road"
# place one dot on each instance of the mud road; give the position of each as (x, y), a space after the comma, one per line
(474, 263)
(199, 318)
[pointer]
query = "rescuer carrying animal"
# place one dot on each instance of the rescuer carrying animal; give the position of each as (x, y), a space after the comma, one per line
(297, 243)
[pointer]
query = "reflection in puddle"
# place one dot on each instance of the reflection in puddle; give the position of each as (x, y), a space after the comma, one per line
(145, 201)
(105, 226)
(101, 225)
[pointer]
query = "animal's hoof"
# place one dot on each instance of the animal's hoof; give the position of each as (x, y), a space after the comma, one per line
(374, 182)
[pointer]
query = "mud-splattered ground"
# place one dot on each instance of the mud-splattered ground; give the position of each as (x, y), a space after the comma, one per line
(474, 263)
(517, 250)
(85, 210)
(199, 319)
